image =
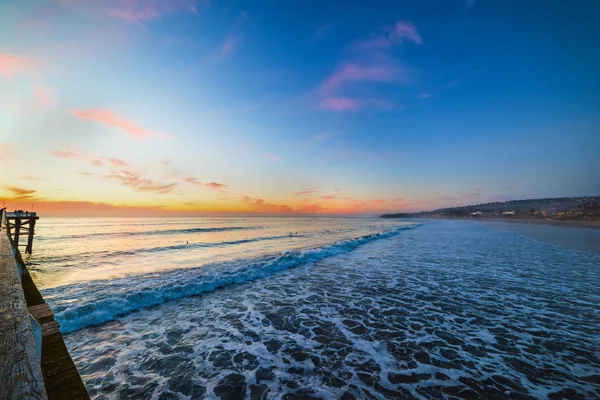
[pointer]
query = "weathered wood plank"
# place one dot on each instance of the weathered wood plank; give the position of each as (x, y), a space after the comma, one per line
(41, 311)
(48, 349)
(20, 372)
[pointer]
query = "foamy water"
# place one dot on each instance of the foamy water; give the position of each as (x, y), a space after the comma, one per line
(346, 308)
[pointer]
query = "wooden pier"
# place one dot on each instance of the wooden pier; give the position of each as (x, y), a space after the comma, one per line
(23, 224)
(34, 361)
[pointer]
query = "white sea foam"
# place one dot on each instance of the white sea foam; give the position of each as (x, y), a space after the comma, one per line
(439, 312)
(103, 301)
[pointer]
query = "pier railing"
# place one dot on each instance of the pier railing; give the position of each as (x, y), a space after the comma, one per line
(20, 351)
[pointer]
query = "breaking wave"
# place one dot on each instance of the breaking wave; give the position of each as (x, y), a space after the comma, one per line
(80, 305)
(155, 232)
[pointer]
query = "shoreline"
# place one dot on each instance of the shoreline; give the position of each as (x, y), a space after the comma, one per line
(517, 220)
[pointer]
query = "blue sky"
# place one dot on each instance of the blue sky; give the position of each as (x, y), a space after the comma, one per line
(347, 107)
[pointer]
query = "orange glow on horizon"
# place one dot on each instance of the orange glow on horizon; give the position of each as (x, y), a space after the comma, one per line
(76, 208)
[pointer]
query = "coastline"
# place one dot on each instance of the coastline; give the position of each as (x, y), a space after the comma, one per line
(521, 220)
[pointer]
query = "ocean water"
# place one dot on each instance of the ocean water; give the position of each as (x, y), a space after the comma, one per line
(345, 308)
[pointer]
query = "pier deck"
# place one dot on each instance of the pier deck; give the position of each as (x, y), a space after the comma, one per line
(20, 369)
(26, 371)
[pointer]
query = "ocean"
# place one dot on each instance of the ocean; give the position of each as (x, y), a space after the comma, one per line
(324, 308)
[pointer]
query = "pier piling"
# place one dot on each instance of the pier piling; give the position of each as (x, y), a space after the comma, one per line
(23, 223)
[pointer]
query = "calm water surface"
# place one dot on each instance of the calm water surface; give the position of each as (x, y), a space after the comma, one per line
(345, 308)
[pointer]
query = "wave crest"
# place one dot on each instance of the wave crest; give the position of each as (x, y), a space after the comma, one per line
(104, 301)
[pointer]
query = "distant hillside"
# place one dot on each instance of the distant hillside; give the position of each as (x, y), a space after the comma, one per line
(564, 208)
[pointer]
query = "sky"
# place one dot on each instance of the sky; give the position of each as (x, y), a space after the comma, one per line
(185, 107)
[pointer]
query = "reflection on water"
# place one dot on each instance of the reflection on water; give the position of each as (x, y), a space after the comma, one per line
(450, 309)
(575, 238)
(74, 250)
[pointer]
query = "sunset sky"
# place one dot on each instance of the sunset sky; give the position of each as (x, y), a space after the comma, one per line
(170, 107)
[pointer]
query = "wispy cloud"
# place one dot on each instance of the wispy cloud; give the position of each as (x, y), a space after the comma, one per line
(192, 180)
(323, 30)
(19, 193)
(398, 34)
(146, 10)
(43, 97)
(272, 158)
(107, 117)
(12, 65)
(228, 46)
(319, 137)
(406, 30)
(115, 170)
(337, 196)
(174, 173)
(370, 61)
(6, 151)
(263, 206)
(310, 208)
(351, 72)
(133, 180)
(307, 191)
(339, 104)
(425, 95)
(379, 201)
(30, 178)
(216, 186)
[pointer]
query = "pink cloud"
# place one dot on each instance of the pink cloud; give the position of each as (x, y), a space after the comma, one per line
(349, 73)
(6, 151)
(212, 185)
(373, 62)
(64, 154)
(107, 117)
(116, 170)
(228, 46)
(164, 136)
(307, 191)
(319, 137)
(339, 104)
(216, 186)
(311, 208)
(405, 29)
(272, 157)
(335, 197)
(192, 180)
(390, 36)
(43, 97)
(379, 201)
(263, 206)
(12, 65)
(146, 10)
